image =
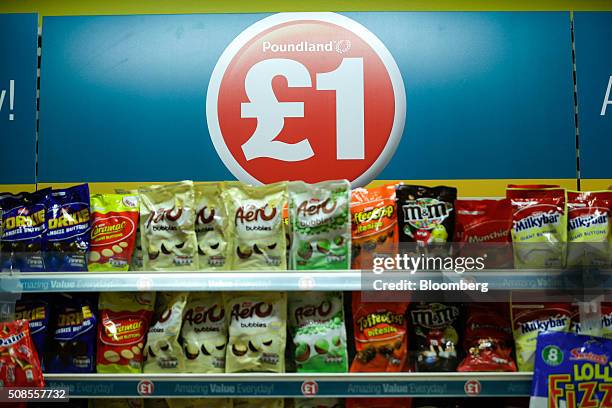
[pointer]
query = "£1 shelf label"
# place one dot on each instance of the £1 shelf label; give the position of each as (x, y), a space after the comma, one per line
(145, 387)
(306, 96)
(310, 388)
(472, 387)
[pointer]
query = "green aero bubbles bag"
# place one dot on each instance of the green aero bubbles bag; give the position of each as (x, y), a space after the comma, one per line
(321, 224)
(319, 335)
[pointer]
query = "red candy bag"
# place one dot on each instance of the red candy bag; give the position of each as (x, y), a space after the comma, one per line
(488, 339)
(19, 364)
(380, 336)
(483, 227)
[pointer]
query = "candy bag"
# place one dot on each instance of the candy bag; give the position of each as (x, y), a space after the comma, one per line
(23, 229)
(606, 320)
(36, 312)
(321, 226)
(137, 262)
(256, 226)
(19, 364)
(319, 336)
(210, 227)
(66, 242)
(374, 224)
(167, 220)
(318, 403)
(123, 323)
(71, 346)
(113, 231)
(379, 403)
(425, 214)
(529, 320)
(539, 231)
(380, 336)
(571, 371)
(204, 333)
(589, 229)
(488, 339)
(257, 331)
(118, 403)
(259, 403)
(199, 403)
(435, 329)
(483, 227)
(163, 352)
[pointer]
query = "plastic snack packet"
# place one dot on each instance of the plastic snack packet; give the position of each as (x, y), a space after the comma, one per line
(36, 312)
(114, 218)
(167, 220)
(19, 364)
(210, 227)
(572, 371)
(163, 353)
(257, 233)
(204, 333)
(319, 336)
(123, 323)
(259, 403)
(318, 403)
(66, 241)
(257, 331)
(374, 223)
(529, 320)
(589, 229)
(199, 403)
(380, 336)
(321, 226)
(539, 231)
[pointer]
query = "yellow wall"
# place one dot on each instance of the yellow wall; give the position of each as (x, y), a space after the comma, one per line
(85, 7)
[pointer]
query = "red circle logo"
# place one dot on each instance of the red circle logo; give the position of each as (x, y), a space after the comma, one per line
(145, 387)
(310, 388)
(306, 96)
(472, 387)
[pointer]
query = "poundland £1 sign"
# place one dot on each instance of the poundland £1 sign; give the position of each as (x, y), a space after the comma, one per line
(325, 100)
(311, 96)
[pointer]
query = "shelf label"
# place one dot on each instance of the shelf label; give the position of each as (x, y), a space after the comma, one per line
(310, 388)
(145, 387)
(472, 387)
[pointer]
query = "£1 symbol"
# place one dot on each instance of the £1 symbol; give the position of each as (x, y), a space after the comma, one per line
(306, 96)
(145, 387)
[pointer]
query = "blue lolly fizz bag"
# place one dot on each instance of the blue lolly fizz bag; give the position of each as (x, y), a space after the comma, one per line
(572, 371)
(68, 229)
(23, 229)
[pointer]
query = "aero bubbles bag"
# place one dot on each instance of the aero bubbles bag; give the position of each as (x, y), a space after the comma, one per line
(319, 336)
(321, 225)
(257, 233)
(210, 227)
(257, 331)
(204, 333)
(167, 221)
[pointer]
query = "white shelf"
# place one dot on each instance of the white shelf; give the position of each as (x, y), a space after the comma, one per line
(294, 385)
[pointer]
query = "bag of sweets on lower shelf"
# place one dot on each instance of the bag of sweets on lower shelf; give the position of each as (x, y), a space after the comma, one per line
(318, 403)
(319, 337)
(257, 331)
(320, 224)
(256, 229)
(19, 364)
(435, 329)
(381, 334)
(539, 232)
(123, 323)
(379, 403)
(71, 344)
(605, 328)
(199, 402)
(163, 353)
(531, 319)
(204, 333)
(118, 403)
(36, 311)
(155, 403)
(114, 218)
(211, 227)
(259, 403)
(167, 219)
(67, 239)
(572, 371)
(488, 339)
